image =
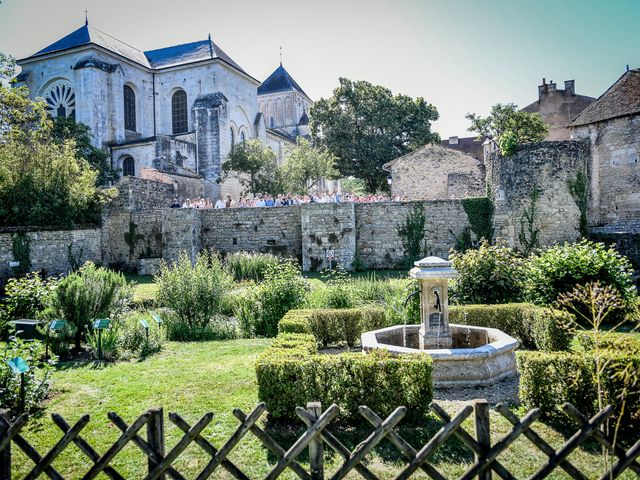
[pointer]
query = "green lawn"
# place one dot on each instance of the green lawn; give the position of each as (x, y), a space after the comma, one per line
(194, 378)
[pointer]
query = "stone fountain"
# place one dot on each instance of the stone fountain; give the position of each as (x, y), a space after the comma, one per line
(463, 355)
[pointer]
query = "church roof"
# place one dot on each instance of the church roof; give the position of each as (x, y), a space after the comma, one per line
(620, 100)
(188, 53)
(87, 35)
(280, 81)
(159, 58)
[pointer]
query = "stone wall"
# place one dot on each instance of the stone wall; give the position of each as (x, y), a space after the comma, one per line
(49, 249)
(547, 167)
(137, 194)
(377, 224)
(328, 226)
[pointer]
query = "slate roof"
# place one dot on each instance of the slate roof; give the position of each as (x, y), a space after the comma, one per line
(87, 35)
(304, 119)
(159, 58)
(280, 81)
(620, 100)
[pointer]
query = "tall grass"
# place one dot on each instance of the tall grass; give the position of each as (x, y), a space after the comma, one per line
(249, 266)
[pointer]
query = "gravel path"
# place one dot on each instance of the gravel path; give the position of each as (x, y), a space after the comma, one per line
(505, 391)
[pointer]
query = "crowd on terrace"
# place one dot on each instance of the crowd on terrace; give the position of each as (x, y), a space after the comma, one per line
(266, 200)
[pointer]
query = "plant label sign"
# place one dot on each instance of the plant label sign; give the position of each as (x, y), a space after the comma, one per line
(144, 323)
(57, 325)
(331, 255)
(101, 323)
(18, 365)
(157, 318)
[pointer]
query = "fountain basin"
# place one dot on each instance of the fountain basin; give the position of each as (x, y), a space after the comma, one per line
(479, 356)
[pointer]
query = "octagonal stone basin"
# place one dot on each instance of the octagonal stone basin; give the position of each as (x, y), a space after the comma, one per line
(479, 356)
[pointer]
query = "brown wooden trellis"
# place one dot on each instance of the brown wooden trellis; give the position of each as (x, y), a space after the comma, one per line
(315, 438)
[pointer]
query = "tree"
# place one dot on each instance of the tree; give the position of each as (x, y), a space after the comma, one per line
(305, 163)
(254, 166)
(65, 128)
(508, 126)
(366, 126)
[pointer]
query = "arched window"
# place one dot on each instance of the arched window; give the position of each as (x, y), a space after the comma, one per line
(233, 139)
(128, 167)
(129, 108)
(242, 137)
(61, 99)
(179, 112)
(271, 122)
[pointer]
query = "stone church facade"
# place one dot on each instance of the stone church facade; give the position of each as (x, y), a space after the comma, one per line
(178, 109)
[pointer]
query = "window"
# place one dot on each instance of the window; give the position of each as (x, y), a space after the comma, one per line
(129, 109)
(60, 99)
(128, 167)
(242, 138)
(179, 112)
(270, 122)
(233, 139)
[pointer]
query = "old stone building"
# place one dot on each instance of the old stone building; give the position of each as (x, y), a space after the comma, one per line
(471, 146)
(436, 172)
(558, 107)
(612, 126)
(178, 109)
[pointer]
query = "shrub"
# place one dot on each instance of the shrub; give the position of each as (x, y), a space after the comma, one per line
(402, 305)
(547, 380)
(247, 310)
(218, 327)
(37, 379)
(584, 341)
(289, 374)
(25, 297)
(534, 327)
(104, 344)
(132, 337)
(91, 292)
(333, 326)
(249, 266)
(491, 274)
(558, 270)
(283, 289)
(194, 293)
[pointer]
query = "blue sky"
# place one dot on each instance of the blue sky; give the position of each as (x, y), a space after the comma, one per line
(461, 55)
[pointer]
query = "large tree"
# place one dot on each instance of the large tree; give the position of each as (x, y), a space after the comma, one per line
(366, 126)
(508, 126)
(254, 165)
(304, 165)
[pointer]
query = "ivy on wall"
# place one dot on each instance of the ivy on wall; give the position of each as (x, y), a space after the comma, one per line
(578, 190)
(411, 234)
(21, 249)
(479, 211)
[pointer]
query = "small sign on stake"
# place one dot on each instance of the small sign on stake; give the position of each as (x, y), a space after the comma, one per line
(18, 365)
(101, 323)
(145, 325)
(331, 255)
(57, 325)
(157, 318)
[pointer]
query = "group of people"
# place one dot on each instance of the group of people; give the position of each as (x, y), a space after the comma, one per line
(266, 200)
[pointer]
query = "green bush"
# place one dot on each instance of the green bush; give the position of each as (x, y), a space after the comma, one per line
(491, 274)
(283, 289)
(247, 310)
(37, 379)
(195, 294)
(91, 292)
(104, 344)
(402, 305)
(534, 327)
(560, 269)
(289, 374)
(547, 380)
(132, 337)
(249, 266)
(585, 341)
(333, 326)
(25, 297)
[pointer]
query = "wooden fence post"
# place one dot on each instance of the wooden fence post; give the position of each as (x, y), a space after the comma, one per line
(5, 455)
(316, 451)
(483, 433)
(155, 435)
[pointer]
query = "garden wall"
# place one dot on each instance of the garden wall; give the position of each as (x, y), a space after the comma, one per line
(49, 249)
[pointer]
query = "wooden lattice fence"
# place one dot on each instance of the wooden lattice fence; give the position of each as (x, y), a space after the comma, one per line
(316, 437)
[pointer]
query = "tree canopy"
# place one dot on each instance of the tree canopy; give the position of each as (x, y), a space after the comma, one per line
(304, 165)
(366, 126)
(508, 126)
(254, 165)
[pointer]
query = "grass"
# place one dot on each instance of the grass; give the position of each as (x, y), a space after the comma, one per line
(194, 378)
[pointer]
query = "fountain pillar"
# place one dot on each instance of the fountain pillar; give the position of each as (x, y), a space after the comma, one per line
(432, 274)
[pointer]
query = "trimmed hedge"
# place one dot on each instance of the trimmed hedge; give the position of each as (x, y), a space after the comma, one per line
(621, 342)
(535, 327)
(547, 380)
(333, 326)
(290, 374)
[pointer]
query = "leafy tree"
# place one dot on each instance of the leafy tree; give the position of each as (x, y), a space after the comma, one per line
(508, 126)
(305, 163)
(65, 128)
(254, 165)
(366, 126)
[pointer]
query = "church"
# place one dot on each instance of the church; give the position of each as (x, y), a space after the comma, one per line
(178, 109)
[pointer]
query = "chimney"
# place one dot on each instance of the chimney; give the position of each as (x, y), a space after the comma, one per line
(570, 87)
(552, 86)
(542, 89)
(453, 140)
